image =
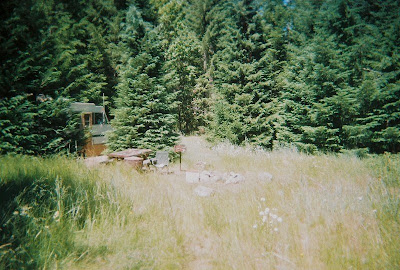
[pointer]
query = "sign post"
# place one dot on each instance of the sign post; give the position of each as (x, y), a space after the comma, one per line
(180, 148)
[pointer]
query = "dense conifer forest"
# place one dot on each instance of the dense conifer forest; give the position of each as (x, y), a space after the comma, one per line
(317, 75)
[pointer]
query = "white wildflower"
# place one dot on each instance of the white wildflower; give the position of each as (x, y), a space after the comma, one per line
(24, 210)
(261, 213)
(279, 219)
(265, 218)
(266, 210)
(276, 229)
(262, 199)
(255, 226)
(360, 198)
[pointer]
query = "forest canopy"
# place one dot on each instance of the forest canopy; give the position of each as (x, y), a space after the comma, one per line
(316, 75)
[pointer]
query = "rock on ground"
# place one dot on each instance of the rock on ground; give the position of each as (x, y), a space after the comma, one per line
(233, 178)
(206, 176)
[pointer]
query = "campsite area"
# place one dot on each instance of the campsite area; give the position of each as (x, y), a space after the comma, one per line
(289, 210)
(285, 115)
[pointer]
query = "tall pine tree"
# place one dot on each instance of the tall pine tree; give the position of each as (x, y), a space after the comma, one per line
(143, 116)
(244, 73)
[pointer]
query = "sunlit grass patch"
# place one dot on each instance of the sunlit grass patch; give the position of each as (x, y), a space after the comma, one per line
(317, 212)
(328, 205)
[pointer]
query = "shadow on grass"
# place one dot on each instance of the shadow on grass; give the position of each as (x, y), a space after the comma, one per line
(42, 201)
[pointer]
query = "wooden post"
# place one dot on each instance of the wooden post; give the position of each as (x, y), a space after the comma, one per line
(180, 148)
(180, 161)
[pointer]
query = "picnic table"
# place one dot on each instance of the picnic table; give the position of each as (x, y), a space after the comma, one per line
(133, 156)
(133, 152)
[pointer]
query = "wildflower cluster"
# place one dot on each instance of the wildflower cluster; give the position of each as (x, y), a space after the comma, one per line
(23, 211)
(269, 218)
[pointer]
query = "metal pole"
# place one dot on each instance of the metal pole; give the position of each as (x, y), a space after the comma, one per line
(180, 161)
(104, 112)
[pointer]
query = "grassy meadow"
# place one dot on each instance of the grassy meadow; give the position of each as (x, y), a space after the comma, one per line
(317, 212)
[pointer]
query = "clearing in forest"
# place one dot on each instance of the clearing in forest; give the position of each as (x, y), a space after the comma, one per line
(289, 211)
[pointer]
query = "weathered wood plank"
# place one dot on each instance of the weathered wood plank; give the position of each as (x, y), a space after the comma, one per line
(131, 153)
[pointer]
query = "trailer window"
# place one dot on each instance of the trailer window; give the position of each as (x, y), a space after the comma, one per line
(98, 119)
(86, 119)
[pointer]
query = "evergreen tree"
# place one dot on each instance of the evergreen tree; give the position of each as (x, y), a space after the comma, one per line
(206, 20)
(182, 67)
(319, 102)
(297, 97)
(202, 18)
(58, 49)
(24, 46)
(375, 49)
(316, 74)
(244, 77)
(16, 121)
(143, 116)
(170, 18)
(368, 31)
(43, 128)
(44, 56)
(85, 68)
(335, 105)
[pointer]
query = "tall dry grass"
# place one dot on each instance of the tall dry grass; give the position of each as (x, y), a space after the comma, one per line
(324, 212)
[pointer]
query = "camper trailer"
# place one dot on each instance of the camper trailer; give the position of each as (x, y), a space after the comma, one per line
(94, 119)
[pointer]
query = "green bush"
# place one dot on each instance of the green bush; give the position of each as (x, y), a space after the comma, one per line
(42, 128)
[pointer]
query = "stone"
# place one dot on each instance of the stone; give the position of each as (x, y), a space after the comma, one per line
(265, 176)
(215, 177)
(192, 177)
(233, 178)
(146, 162)
(203, 191)
(205, 176)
